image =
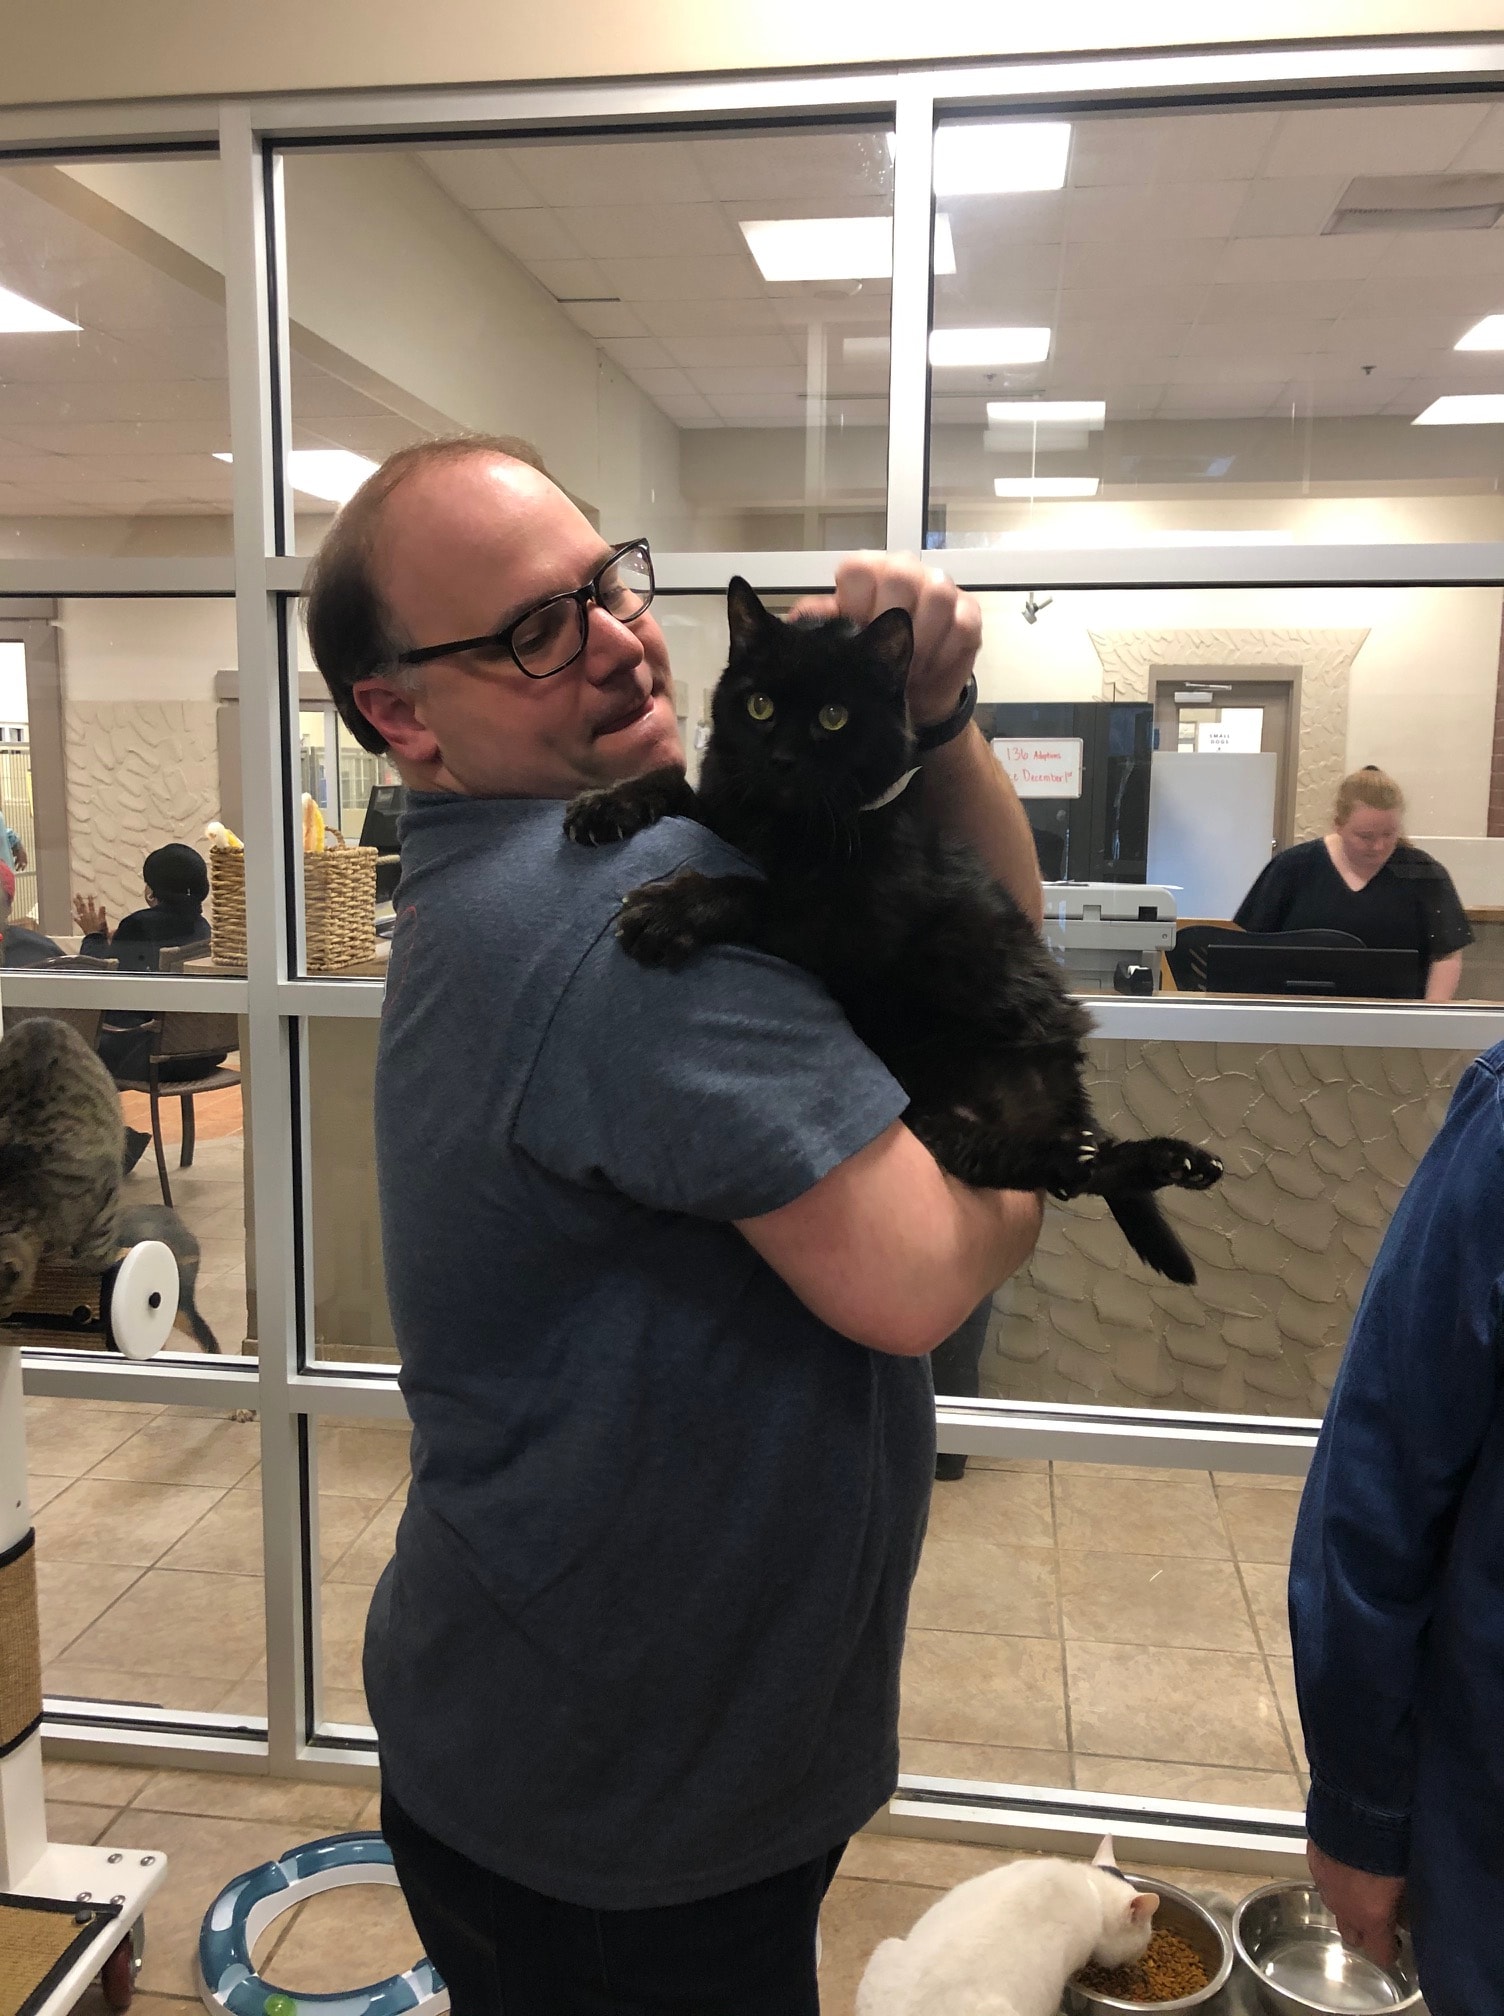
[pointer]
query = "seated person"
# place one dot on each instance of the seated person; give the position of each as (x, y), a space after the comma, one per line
(1366, 879)
(20, 945)
(177, 884)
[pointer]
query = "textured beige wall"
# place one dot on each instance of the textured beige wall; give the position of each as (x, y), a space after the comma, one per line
(140, 773)
(84, 49)
(1319, 1145)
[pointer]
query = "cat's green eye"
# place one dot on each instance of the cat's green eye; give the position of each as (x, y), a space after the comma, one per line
(759, 706)
(834, 716)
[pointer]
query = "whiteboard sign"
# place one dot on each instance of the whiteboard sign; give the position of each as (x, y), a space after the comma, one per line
(1048, 768)
(1240, 732)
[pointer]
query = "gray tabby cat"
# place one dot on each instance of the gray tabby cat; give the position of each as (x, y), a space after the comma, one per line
(157, 1221)
(61, 1143)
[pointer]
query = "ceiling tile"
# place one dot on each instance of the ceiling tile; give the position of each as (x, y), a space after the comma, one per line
(481, 177)
(1174, 210)
(1387, 139)
(1247, 338)
(667, 230)
(691, 412)
(765, 410)
(1185, 147)
(1109, 263)
(1253, 303)
(605, 171)
(634, 352)
(1299, 259)
(716, 381)
(670, 381)
(1297, 208)
(766, 346)
(605, 318)
(1027, 217)
(695, 279)
(1483, 154)
(772, 167)
(708, 318)
(571, 279)
(1422, 254)
(1182, 402)
(530, 234)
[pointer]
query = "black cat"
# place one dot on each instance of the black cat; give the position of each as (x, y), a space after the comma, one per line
(937, 969)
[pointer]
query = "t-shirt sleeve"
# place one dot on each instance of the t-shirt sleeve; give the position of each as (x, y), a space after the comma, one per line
(723, 1090)
(1443, 919)
(1267, 904)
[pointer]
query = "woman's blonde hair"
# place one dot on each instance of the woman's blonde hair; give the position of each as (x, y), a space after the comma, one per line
(1369, 786)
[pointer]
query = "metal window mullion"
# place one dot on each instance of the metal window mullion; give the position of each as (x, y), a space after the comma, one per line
(269, 1110)
(909, 333)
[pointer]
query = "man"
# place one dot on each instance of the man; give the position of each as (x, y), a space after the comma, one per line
(1397, 1580)
(664, 1265)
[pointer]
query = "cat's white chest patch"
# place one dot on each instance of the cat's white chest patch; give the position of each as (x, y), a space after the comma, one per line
(893, 791)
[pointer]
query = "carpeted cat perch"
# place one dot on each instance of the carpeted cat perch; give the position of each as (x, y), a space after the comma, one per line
(67, 1914)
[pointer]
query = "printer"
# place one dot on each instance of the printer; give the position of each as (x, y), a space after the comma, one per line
(1094, 927)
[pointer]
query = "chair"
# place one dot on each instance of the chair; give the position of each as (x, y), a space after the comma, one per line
(85, 1021)
(1186, 959)
(176, 1037)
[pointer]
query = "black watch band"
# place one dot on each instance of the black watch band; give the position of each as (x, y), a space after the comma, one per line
(940, 732)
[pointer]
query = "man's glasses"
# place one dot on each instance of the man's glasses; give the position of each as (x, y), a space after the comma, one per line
(546, 639)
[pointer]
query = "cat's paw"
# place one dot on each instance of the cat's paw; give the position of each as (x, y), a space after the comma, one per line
(654, 928)
(1201, 1169)
(600, 818)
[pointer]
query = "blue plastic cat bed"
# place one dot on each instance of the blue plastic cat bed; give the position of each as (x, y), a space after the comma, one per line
(245, 1907)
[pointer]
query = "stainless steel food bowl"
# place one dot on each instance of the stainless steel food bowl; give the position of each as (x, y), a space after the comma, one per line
(1288, 1941)
(1178, 1912)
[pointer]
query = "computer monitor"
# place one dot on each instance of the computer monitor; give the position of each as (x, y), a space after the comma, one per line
(384, 808)
(1352, 972)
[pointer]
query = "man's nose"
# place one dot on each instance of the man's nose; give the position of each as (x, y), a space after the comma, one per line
(610, 647)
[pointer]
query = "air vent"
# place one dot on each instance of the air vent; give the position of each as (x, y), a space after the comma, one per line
(1418, 203)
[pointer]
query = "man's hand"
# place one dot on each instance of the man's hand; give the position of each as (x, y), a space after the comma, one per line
(1365, 1907)
(21, 857)
(947, 623)
(89, 915)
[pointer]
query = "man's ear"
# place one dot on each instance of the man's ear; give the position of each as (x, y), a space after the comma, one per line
(394, 716)
(746, 617)
(889, 639)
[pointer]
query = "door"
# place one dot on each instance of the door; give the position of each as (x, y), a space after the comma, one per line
(1225, 709)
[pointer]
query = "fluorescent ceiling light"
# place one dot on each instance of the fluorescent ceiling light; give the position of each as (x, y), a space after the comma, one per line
(1000, 160)
(1485, 335)
(834, 248)
(1463, 409)
(1046, 486)
(975, 349)
(1047, 412)
(20, 317)
(335, 474)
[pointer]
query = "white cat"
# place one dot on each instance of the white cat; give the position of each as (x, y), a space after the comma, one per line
(1005, 1943)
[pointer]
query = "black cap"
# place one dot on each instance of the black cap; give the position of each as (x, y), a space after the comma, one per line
(176, 874)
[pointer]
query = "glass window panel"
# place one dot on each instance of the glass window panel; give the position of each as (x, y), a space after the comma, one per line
(1240, 315)
(362, 1475)
(1117, 1629)
(600, 300)
(149, 1558)
(114, 409)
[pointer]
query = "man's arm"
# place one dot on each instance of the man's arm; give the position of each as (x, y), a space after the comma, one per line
(890, 1251)
(1417, 1394)
(968, 796)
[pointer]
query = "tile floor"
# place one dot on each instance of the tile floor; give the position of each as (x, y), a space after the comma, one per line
(1119, 1631)
(213, 1828)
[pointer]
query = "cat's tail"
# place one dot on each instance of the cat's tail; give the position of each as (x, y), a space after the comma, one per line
(1149, 1233)
(207, 1341)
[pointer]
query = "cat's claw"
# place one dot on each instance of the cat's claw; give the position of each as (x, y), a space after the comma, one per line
(600, 818)
(651, 934)
(1201, 1170)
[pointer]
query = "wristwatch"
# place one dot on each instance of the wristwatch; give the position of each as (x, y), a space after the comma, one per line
(940, 732)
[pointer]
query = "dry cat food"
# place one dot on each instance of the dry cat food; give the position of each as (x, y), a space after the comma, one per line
(1170, 1968)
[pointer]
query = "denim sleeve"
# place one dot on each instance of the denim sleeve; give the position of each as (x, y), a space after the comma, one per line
(724, 1090)
(1410, 1410)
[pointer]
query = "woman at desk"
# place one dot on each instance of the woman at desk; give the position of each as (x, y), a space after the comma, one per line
(1365, 879)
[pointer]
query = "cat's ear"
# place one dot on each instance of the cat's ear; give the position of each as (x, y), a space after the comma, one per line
(1106, 1856)
(746, 617)
(889, 641)
(1143, 1907)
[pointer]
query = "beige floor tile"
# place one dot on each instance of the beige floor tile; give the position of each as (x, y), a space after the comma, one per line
(368, 1552)
(1004, 1463)
(345, 1938)
(983, 1763)
(1154, 1599)
(1149, 1778)
(110, 1520)
(92, 1784)
(906, 1858)
(857, 1917)
(1262, 1523)
(202, 1856)
(361, 1461)
(227, 1540)
(1009, 1507)
(344, 1606)
(69, 1679)
(1282, 1672)
(1107, 1513)
(369, 1815)
(237, 1796)
(187, 1451)
(92, 2003)
(1136, 1472)
(72, 1594)
(1190, 1707)
(179, 1622)
(963, 1687)
(967, 1582)
(248, 1695)
(1256, 1480)
(42, 1490)
(80, 1824)
(346, 1704)
(1267, 1583)
(65, 1438)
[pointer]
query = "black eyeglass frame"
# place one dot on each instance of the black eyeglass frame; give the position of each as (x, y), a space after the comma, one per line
(582, 598)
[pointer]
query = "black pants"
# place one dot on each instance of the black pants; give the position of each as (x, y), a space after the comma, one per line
(503, 1950)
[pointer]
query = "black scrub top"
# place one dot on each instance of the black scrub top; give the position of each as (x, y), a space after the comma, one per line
(1410, 905)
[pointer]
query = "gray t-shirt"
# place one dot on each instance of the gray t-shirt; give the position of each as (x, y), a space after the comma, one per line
(640, 1641)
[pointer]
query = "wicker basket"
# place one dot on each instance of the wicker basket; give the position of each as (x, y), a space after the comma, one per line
(339, 906)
